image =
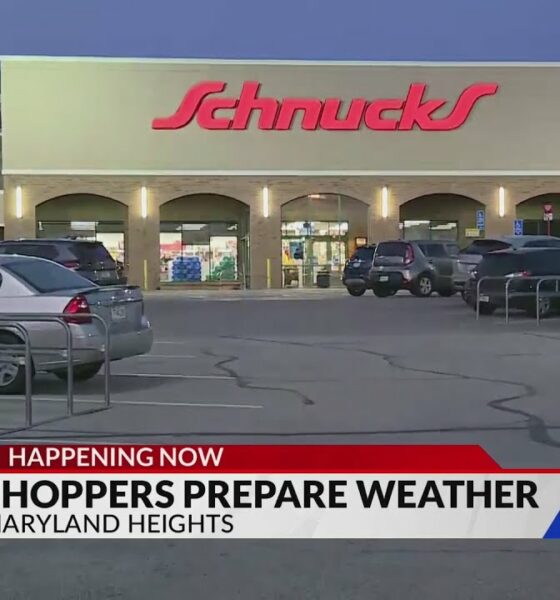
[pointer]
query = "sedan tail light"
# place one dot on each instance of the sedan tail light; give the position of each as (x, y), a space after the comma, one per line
(71, 264)
(519, 274)
(77, 306)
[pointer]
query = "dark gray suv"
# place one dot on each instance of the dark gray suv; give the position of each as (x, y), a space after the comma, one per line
(89, 259)
(422, 267)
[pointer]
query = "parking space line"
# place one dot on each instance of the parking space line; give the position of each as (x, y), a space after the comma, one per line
(172, 376)
(150, 403)
(165, 356)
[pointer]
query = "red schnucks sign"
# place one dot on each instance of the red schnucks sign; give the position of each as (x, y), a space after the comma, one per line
(390, 114)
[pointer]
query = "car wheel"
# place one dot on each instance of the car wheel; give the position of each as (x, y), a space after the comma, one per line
(383, 292)
(485, 308)
(447, 292)
(12, 373)
(545, 308)
(356, 291)
(81, 372)
(423, 286)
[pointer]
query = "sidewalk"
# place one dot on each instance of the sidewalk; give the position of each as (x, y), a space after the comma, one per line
(282, 294)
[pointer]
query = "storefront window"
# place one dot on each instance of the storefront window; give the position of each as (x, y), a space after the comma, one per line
(311, 247)
(109, 233)
(429, 230)
(199, 252)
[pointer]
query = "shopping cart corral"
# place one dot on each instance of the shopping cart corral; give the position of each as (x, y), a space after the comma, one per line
(544, 290)
(17, 350)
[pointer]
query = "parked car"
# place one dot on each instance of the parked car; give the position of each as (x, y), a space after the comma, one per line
(356, 270)
(421, 267)
(471, 256)
(89, 259)
(36, 285)
(517, 266)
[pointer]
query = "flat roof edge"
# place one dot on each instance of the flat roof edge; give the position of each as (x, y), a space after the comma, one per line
(277, 62)
(276, 173)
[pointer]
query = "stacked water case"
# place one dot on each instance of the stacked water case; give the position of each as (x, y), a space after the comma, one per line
(186, 268)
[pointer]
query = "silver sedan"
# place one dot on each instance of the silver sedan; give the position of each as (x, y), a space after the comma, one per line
(31, 285)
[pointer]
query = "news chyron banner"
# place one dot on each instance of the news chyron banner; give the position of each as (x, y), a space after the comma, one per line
(132, 491)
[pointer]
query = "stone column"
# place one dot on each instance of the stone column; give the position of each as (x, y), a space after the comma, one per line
(24, 227)
(381, 227)
(495, 225)
(265, 241)
(142, 252)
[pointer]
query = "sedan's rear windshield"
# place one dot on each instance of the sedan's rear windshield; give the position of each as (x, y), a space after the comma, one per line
(47, 277)
(363, 254)
(484, 246)
(498, 265)
(391, 249)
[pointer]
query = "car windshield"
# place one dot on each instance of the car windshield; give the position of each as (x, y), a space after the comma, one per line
(391, 249)
(485, 246)
(501, 264)
(46, 277)
(363, 254)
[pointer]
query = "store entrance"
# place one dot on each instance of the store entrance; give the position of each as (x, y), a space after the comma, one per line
(86, 217)
(310, 248)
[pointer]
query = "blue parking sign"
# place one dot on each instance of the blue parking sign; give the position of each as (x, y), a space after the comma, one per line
(480, 219)
(518, 227)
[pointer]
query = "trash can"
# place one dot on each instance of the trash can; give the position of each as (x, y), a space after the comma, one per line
(323, 279)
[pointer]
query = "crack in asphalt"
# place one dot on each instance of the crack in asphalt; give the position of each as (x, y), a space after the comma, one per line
(243, 383)
(57, 433)
(536, 426)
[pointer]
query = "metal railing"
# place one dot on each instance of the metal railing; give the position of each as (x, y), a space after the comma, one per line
(507, 282)
(15, 321)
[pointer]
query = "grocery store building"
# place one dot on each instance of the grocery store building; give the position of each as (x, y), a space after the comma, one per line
(262, 174)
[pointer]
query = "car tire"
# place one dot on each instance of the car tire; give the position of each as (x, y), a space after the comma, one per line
(485, 308)
(12, 374)
(545, 308)
(423, 286)
(383, 292)
(81, 372)
(356, 291)
(447, 292)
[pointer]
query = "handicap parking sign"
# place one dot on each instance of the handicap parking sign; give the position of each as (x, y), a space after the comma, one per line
(518, 227)
(480, 219)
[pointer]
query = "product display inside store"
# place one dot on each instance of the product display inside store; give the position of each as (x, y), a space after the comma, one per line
(199, 252)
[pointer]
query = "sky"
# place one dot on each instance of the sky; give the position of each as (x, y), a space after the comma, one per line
(405, 30)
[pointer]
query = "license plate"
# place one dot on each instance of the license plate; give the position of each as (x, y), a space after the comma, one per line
(484, 298)
(105, 274)
(384, 278)
(356, 265)
(118, 313)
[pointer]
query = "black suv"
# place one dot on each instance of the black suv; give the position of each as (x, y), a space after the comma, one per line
(89, 259)
(356, 270)
(517, 266)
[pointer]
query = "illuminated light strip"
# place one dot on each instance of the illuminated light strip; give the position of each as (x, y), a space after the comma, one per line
(501, 201)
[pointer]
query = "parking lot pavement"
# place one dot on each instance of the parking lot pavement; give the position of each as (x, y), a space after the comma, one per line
(321, 369)
(330, 369)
